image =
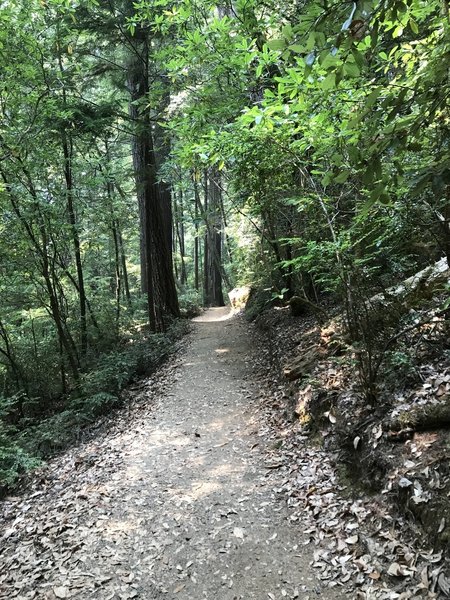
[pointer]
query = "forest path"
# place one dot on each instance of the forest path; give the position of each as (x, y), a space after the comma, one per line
(176, 502)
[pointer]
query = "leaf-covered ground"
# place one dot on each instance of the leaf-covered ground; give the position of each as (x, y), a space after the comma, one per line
(203, 489)
(179, 497)
(389, 543)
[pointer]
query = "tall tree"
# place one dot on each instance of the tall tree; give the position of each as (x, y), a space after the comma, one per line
(153, 196)
(213, 295)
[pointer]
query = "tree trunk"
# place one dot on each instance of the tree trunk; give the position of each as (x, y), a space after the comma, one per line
(153, 199)
(179, 226)
(213, 243)
(118, 282)
(67, 147)
(67, 152)
(123, 260)
(9, 354)
(196, 241)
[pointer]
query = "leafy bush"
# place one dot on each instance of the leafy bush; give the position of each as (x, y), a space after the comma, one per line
(401, 364)
(190, 303)
(96, 405)
(14, 460)
(112, 372)
(53, 434)
(98, 393)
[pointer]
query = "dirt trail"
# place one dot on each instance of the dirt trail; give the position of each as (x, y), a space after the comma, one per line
(177, 503)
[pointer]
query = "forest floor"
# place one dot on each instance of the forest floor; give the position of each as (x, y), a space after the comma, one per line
(177, 496)
(204, 488)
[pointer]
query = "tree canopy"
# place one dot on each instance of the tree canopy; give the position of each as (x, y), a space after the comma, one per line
(155, 154)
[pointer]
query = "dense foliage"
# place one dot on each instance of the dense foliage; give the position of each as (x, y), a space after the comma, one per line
(299, 146)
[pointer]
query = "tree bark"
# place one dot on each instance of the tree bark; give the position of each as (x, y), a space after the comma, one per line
(213, 242)
(67, 147)
(67, 152)
(179, 227)
(153, 199)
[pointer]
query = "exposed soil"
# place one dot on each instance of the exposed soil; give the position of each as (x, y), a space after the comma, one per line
(179, 497)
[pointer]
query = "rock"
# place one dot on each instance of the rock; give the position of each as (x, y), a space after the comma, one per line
(259, 300)
(239, 296)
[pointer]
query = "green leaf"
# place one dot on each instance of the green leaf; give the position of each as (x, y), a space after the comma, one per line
(377, 168)
(446, 304)
(377, 191)
(342, 177)
(279, 44)
(337, 159)
(413, 26)
(372, 97)
(329, 61)
(311, 41)
(329, 82)
(367, 206)
(374, 35)
(400, 6)
(359, 58)
(339, 75)
(352, 69)
(367, 177)
(421, 184)
(287, 31)
(353, 153)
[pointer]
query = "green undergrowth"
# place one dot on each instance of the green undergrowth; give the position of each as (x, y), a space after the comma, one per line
(26, 439)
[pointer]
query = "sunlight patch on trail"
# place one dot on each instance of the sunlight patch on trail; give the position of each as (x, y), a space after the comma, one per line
(215, 314)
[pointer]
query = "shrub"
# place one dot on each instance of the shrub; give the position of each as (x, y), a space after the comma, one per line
(14, 460)
(96, 405)
(190, 303)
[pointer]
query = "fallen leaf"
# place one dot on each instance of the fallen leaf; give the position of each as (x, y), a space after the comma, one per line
(375, 575)
(394, 569)
(444, 584)
(404, 483)
(398, 570)
(377, 431)
(352, 540)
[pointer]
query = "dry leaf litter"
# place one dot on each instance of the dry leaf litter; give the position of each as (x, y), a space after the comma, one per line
(171, 500)
(202, 490)
(362, 542)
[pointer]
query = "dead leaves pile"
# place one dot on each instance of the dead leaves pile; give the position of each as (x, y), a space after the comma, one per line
(359, 543)
(50, 544)
(362, 544)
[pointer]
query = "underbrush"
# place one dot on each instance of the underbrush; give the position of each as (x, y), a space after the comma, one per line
(27, 436)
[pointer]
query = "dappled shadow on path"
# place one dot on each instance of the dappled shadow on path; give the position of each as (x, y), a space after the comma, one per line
(178, 504)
